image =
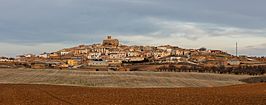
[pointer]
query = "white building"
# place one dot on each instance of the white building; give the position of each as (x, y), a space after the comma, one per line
(94, 55)
(3, 59)
(44, 55)
(64, 53)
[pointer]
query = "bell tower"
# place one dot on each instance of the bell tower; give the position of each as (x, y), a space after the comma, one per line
(109, 42)
(109, 37)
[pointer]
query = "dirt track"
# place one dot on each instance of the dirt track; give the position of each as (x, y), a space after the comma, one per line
(249, 94)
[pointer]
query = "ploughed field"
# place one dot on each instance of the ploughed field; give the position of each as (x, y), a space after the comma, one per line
(245, 94)
(143, 79)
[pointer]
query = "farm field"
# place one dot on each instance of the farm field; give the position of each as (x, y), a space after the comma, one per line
(143, 79)
(245, 94)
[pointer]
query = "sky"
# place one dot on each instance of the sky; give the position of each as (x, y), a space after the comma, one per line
(36, 26)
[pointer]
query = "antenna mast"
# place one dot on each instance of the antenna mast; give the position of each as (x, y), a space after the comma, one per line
(236, 49)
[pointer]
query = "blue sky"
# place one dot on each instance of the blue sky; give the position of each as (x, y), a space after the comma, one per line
(36, 26)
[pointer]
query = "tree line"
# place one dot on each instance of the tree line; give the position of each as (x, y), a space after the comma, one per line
(250, 70)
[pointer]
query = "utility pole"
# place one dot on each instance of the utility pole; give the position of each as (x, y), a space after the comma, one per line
(236, 49)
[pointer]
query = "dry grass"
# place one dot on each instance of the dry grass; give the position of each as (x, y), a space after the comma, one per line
(118, 79)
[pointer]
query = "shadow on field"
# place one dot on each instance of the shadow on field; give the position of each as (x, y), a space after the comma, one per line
(261, 79)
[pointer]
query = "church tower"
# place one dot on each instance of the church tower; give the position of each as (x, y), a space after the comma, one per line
(109, 42)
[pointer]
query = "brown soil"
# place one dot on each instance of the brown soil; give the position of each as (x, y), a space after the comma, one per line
(250, 94)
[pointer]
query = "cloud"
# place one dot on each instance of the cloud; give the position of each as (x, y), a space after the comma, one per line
(195, 35)
(255, 50)
(16, 49)
(192, 31)
(183, 23)
(55, 20)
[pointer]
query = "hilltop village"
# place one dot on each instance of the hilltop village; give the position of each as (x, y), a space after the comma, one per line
(112, 55)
